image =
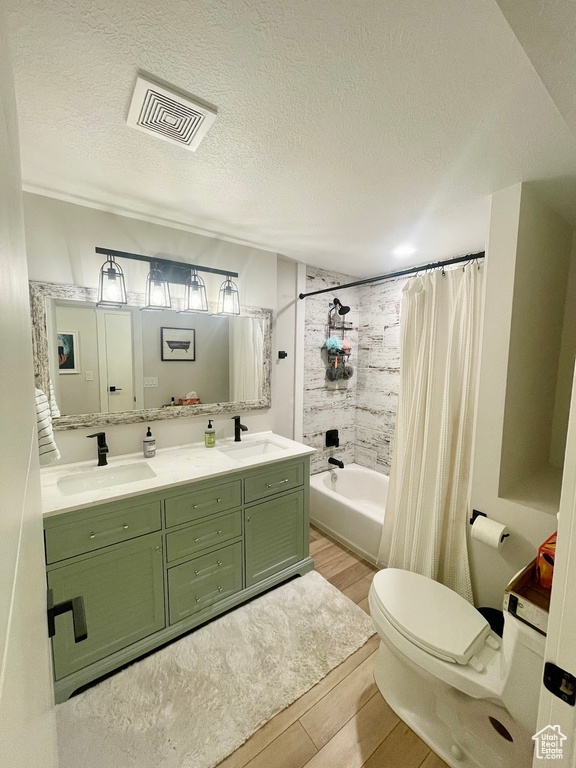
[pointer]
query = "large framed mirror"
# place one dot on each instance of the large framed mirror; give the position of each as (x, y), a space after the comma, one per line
(110, 366)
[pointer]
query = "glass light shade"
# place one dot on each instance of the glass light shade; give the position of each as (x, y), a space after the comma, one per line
(111, 287)
(196, 300)
(157, 290)
(228, 298)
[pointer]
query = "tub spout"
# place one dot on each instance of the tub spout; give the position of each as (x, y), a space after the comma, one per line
(336, 462)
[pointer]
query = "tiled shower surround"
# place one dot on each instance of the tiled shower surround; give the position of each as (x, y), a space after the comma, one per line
(362, 408)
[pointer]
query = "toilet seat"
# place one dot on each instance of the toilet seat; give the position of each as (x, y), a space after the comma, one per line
(479, 685)
(430, 615)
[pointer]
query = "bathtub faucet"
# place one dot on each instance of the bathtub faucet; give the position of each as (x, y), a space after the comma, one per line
(336, 463)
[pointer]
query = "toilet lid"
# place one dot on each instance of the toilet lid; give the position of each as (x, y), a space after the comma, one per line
(430, 615)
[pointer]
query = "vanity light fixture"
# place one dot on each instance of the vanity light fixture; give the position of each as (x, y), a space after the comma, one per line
(111, 287)
(228, 298)
(162, 273)
(157, 290)
(196, 300)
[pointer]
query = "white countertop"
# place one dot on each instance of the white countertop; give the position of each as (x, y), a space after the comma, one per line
(173, 467)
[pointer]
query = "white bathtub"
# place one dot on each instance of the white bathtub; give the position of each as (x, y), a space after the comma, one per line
(349, 505)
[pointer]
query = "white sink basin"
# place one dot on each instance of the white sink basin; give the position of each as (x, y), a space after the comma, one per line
(104, 477)
(249, 450)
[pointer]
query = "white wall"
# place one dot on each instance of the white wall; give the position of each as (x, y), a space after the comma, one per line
(61, 241)
(529, 527)
(27, 736)
(542, 262)
(565, 368)
(285, 339)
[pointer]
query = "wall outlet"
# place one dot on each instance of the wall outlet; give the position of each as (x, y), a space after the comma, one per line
(89, 376)
(150, 381)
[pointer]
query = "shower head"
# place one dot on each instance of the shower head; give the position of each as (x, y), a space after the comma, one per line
(342, 308)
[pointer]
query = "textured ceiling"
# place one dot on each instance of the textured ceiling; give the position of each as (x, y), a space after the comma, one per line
(343, 128)
(547, 31)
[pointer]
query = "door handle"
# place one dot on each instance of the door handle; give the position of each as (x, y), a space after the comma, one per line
(115, 389)
(76, 606)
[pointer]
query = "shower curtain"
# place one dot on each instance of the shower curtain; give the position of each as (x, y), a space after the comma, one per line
(430, 474)
(246, 358)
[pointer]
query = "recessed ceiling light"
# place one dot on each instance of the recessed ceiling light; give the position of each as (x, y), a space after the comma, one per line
(404, 249)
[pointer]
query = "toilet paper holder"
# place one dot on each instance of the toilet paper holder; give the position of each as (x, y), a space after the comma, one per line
(476, 513)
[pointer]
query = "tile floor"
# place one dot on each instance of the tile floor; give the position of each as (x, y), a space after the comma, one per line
(343, 722)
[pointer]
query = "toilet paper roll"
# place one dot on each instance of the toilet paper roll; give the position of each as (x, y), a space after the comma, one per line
(489, 532)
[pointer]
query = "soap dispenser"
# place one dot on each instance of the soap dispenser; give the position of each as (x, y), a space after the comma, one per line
(149, 445)
(210, 435)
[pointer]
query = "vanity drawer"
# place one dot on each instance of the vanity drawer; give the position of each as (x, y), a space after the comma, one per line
(203, 581)
(200, 503)
(87, 535)
(275, 480)
(209, 532)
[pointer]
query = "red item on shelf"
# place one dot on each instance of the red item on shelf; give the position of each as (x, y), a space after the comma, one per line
(545, 561)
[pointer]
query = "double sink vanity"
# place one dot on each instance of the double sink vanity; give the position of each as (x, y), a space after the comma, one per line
(143, 550)
(147, 550)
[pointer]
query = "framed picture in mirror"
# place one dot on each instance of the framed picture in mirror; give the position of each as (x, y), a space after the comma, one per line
(68, 352)
(178, 344)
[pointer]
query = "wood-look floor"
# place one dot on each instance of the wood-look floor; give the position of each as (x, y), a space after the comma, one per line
(343, 722)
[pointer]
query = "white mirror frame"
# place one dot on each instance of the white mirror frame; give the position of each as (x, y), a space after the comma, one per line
(39, 292)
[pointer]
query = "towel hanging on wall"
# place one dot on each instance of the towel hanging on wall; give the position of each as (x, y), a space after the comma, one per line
(54, 410)
(47, 448)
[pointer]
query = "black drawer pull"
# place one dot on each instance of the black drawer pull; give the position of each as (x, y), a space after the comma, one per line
(94, 535)
(280, 482)
(206, 503)
(76, 607)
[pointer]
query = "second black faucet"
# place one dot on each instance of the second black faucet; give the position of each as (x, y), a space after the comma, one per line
(238, 428)
(102, 448)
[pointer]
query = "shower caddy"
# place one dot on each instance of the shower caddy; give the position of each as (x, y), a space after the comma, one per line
(338, 367)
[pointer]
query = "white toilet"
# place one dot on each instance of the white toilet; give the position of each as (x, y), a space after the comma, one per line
(470, 695)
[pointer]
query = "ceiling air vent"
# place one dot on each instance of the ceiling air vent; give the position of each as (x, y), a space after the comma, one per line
(169, 115)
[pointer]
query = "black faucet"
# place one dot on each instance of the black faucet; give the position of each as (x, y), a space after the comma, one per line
(336, 462)
(102, 448)
(238, 428)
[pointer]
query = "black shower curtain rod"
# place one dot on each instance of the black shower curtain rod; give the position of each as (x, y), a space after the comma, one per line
(390, 275)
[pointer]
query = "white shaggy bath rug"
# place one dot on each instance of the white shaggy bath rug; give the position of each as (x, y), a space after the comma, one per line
(194, 702)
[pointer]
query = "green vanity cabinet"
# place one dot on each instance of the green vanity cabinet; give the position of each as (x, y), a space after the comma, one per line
(123, 601)
(155, 566)
(274, 536)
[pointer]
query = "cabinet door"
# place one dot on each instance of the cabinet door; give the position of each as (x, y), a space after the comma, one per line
(274, 534)
(123, 594)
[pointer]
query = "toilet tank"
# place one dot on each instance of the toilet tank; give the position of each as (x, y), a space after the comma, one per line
(522, 669)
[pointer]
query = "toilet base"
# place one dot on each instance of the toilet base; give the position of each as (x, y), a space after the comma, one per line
(464, 732)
